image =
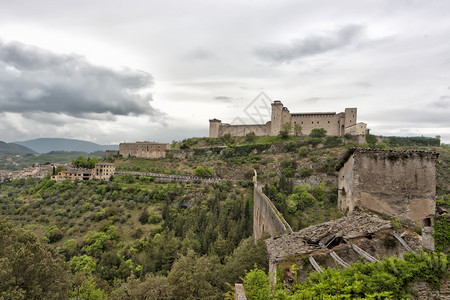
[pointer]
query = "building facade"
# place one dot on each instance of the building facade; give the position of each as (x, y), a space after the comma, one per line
(72, 175)
(336, 124)
(143, 150)
(104, 171)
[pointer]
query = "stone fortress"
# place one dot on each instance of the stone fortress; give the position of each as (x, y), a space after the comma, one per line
(336, 124)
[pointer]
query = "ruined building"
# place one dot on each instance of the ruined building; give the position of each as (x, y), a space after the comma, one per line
(336, 124)
(144, 149)
(393, 183)
(104, 171)
(377, 189)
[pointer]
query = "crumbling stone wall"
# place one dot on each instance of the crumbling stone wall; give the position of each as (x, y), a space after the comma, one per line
(182, 154)
(395, 183)
(144, 149)
(423, 290)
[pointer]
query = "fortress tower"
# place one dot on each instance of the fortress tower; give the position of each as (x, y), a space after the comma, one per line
(276, 118)
(336, 124)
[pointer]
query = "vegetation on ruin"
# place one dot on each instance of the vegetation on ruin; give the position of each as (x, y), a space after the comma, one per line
(441, 235)
(388, 279)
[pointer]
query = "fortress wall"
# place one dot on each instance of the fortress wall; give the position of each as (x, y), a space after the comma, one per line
(331, 123)
(266, 218)
(242, 130)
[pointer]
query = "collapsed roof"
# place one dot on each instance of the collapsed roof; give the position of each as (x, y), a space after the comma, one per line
(356, 225)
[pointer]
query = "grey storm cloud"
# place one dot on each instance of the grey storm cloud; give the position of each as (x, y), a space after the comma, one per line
(223, 98)
(311, 45)
(443, 102)
(363, 84)
(37, 80)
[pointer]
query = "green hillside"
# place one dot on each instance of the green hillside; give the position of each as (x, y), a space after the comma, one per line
(137, 238)
(7, 149)
(62, 157)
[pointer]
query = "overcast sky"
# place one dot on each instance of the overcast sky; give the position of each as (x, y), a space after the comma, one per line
(112, 71)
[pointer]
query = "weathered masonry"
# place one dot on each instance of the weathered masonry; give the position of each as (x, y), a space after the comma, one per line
(266, 218)
(104, 171)
(393, 183)
(336, 124)
(144, 149)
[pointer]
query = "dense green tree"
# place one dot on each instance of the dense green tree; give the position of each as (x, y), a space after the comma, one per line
(29, 269)
(239, 262)
(150, 287)
(371, 140)
(191, 277)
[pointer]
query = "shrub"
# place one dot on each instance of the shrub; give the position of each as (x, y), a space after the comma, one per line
(154, 219)
(291, 146)
(305, 172)
(257, 284)
(54, 234)
(318, 133)
(284, 134)
(250, 137)
(333, 141)
(84, 264)
(307, 199)
(288, 167)
(292, 203)
(203, 171)
(143, 218)
(303, 151)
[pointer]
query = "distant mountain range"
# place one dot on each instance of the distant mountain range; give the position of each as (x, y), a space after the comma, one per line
(14, 149)
(45, 145)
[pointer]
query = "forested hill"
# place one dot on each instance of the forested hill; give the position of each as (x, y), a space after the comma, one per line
(45, 145)
(14, 149)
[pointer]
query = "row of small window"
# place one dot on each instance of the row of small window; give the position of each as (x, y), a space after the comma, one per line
(318, 122)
